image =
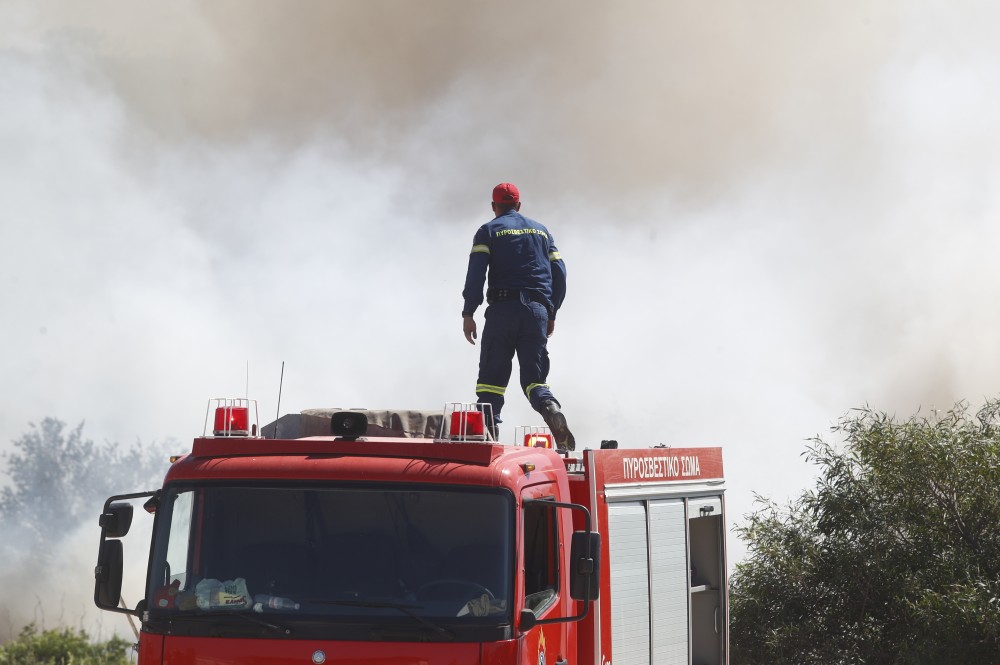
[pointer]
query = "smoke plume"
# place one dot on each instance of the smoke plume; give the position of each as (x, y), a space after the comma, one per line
(771, 212)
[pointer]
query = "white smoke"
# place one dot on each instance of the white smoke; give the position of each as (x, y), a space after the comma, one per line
(771, 212)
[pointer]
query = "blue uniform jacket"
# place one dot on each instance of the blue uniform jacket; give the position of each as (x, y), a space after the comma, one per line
(520, 254)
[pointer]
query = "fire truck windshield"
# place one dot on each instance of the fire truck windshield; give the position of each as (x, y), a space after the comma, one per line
(317, 558)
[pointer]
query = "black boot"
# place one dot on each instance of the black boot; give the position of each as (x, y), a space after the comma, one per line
(556, 421)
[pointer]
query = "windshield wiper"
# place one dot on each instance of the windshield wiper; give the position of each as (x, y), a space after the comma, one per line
(405, 609)
(252, 618)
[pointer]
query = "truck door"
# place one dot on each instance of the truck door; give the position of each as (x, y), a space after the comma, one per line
(541, 573)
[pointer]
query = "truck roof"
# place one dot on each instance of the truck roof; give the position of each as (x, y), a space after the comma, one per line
(369, 458)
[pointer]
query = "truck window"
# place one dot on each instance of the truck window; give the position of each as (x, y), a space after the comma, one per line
(541, 563)
(177, 546)
(354, 553)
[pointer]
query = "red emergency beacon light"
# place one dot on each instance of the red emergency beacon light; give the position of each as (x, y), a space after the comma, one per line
(534, 437)
(466, 422)
(232, 417)
(231, 421)
(538, 440)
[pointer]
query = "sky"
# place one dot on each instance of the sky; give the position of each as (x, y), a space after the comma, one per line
(771, 212)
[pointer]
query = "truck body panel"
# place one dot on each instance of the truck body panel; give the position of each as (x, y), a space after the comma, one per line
(191, 650)
(656, 606)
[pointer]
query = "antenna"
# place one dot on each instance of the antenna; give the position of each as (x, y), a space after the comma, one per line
(248, 378)
(277, 415)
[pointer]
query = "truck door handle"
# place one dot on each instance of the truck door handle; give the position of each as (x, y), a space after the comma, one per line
(562, 662)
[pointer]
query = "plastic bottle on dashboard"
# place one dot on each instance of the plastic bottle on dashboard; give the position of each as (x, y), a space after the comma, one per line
(266, 602)
(205, 591)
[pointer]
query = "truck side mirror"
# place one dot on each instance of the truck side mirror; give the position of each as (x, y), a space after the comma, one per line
(108, 574)
(585, 566)
(117, 520)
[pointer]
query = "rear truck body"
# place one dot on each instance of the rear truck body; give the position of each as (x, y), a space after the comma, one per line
(390, 550)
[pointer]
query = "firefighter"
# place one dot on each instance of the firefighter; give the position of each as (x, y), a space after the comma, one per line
(527, 284)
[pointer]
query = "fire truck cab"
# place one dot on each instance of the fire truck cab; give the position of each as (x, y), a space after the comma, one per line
(349, 548)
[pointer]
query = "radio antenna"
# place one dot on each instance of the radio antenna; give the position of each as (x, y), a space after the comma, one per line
(277, 415)
(248, 379)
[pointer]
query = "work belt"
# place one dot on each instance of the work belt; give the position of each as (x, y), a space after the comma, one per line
(504, 294)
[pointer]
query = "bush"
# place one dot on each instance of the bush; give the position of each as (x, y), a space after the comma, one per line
(62, 647)
(894, 557)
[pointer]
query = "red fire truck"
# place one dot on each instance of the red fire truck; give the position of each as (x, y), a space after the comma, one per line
(399, 538)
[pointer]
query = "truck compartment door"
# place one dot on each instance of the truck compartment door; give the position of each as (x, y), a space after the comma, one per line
(669, 581)
(629, 559)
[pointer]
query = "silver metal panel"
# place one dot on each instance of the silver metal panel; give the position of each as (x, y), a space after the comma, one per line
(629, 583)
(636, 491)
(669, 574)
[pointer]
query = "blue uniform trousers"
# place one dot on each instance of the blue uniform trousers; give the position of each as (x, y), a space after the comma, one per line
(514, 326)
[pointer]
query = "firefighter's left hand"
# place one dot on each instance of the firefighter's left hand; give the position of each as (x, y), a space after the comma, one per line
(552, 328)
(469, 328)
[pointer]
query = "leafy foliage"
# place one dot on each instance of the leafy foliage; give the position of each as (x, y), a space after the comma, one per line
(61, 647)
(893, 558)
(58, 478)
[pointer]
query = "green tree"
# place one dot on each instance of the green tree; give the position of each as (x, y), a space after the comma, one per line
(61, 647)
(58, 478)
(894, 557)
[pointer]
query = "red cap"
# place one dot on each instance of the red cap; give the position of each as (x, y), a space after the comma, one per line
(506, 193)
